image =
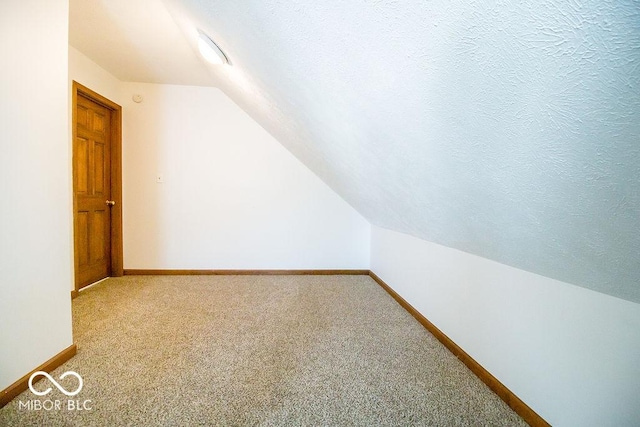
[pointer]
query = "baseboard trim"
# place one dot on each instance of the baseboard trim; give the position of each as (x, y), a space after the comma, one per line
(139, 272)
(74, 294)
(514, 402)
(9, 393)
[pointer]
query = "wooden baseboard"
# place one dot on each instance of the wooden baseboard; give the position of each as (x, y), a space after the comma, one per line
(9, 393)
(136, 272)
(514, 402)
(74, 294)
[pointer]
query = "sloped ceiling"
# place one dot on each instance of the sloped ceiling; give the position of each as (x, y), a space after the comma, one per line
(500, 128)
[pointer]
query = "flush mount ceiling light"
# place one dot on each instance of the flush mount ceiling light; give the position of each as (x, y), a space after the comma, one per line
(210, 51)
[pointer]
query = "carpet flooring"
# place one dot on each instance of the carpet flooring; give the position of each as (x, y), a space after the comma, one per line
(257, 351)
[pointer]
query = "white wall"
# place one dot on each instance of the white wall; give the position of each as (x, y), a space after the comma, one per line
(570, 353)
(232, 197)
(35, 183)
(88, 73)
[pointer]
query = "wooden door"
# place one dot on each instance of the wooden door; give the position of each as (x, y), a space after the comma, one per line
(92, 190)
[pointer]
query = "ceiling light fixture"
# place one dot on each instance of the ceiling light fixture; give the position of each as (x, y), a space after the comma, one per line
(210, 50)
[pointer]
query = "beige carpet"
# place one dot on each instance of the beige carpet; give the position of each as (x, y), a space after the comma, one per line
(258, 350)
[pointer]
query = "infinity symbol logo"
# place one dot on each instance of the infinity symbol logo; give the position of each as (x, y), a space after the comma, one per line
(58, 386)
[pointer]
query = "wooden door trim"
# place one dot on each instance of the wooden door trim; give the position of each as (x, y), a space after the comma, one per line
(116, 173)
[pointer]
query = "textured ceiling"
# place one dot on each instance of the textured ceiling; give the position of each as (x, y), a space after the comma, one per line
(500, 128)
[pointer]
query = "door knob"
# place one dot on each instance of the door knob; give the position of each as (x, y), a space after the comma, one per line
(111, 202)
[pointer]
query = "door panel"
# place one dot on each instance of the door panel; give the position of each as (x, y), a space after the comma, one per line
(99, 178)
(92, 187)
(82, 229)
(82, 165)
